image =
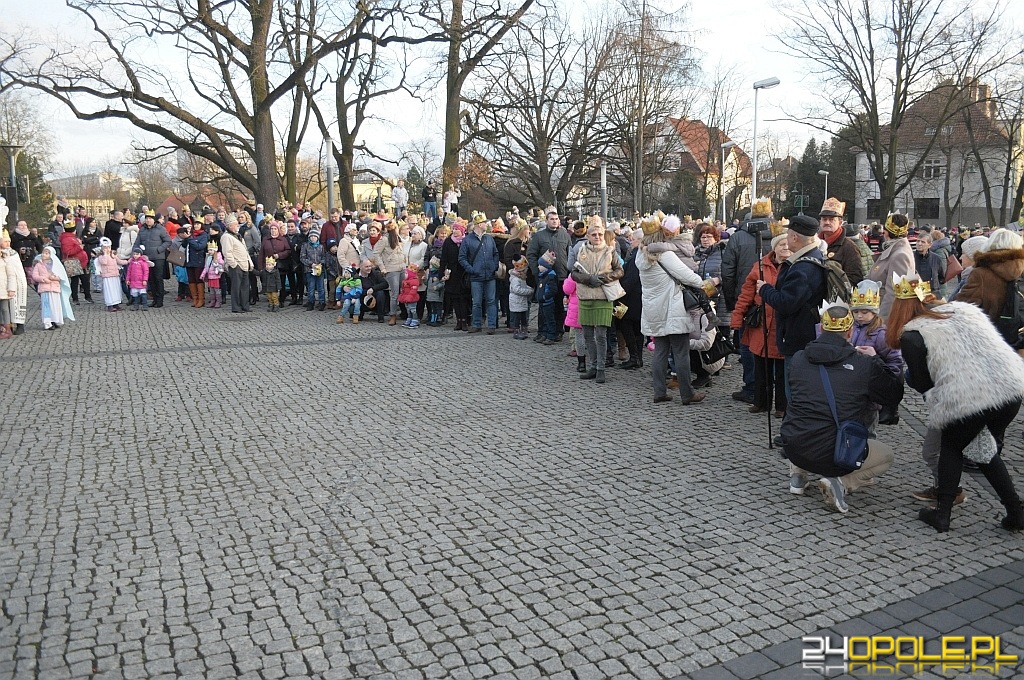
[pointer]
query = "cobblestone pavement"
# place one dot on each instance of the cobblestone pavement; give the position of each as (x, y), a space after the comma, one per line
(191, 493)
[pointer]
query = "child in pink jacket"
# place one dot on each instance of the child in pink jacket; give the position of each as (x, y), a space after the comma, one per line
(572, 320)
(137, 278)
(110, 276)
(54, 289)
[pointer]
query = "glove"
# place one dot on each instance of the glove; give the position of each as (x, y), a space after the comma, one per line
(736, 335)
(594, 281)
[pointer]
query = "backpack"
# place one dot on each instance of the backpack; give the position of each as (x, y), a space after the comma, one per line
(1011, 317)
(837, 285)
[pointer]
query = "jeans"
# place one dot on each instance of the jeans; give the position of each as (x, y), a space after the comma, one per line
(239, 289)
(314, 288)
(430, 209)
(546, 317)
(394, 280)
(353, 304)
(679, 346)
(484, 293)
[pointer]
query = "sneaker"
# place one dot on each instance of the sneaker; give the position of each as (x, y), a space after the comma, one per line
(929, 494)
(414, 324)
(547, 341)
(797, 484)
(833, 494)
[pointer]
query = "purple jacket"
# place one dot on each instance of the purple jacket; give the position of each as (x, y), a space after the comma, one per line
(892, 358)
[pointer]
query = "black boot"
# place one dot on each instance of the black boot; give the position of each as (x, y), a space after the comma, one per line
(938, 517)
(1014, 520)
(589, 375)
(581, 364)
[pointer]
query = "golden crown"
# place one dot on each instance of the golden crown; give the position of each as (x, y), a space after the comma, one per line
(779, 227)
(867, 295)
(896, 231)
(650, 224)
(906, 289)
(840, 325)
(762, 207)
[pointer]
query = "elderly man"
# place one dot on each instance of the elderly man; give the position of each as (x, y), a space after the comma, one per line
(857, 380)
(798, 290)
(478, 255)
(840, 249)
(238, 263)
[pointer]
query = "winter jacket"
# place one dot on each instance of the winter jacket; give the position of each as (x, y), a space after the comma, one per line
(155, 241)
(450, 252)
(8, 276)
(41, 275)
(958, 384)
(280, 249)
(546, 239)
(986, 286)
(858, 382)
(739, 256)
(478, 256)
(415, 254)
(253, 241)
(235, 253)
(271, 281)
(709, 265)
(892, 358)
(311, 255)
(195, 249)
(796, 296)
(513, 248)
(845, 252)
(112, 230)
(293, 264)
(213, 268)
(664, 312)
(602, 261)
(27, 246)
(435, 286)
(348, 252)
(387, 258)
(897, 257)
(137, 274)
(520, 292)
(106, 265)
(630, 282)
(867, 258)
(374, 280)
(943, 248)
(754, 337)
(931, 269)
(702, 342)
(681, 246)
(127, 240)
(410, 287)
(70, 247)
(572, 310)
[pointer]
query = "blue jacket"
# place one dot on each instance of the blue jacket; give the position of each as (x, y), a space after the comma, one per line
(195, 250)
(479, 257)
(796, 296)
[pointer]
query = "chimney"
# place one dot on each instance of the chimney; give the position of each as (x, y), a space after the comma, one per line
(984, 92)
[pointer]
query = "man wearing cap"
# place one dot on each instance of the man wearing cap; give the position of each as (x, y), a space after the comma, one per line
(156, 243)
(858, 380)
(840, 249)
(798, 290)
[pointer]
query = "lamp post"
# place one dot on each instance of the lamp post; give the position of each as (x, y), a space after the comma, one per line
(12, 151)
(825, 173)
(759, 85)
(721, 177)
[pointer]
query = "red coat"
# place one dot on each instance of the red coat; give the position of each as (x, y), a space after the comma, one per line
(410, 285)
(754, 337)
(70, 246)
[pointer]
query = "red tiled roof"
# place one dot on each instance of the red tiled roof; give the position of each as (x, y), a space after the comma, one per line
(703, 147)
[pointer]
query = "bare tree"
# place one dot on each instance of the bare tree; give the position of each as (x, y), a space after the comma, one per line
(995, 127)
(877, 58)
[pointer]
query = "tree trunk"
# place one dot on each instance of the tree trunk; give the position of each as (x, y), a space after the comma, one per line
(345, 156)
(453, 103)
(268, 189)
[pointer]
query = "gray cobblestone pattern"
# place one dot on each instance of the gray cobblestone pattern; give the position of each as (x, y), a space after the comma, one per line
(477, 512)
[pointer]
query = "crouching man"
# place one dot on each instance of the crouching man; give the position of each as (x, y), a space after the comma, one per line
(858, 380)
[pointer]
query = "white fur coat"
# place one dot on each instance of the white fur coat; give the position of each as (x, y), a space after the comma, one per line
(972, 367)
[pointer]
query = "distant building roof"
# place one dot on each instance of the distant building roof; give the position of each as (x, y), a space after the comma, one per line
(703, 147)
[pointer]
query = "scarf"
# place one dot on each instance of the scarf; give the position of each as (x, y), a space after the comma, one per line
(833, 237)
(373, 240)
(22, 230)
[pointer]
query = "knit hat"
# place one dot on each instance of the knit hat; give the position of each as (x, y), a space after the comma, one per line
(139, 249)
(315, 231)
(778, 239)
(105, 242)
(971, 246)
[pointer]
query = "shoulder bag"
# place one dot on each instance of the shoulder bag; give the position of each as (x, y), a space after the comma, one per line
(693, 298)
(176, 257)
(953, 268)
(721, 347)
(851, 447)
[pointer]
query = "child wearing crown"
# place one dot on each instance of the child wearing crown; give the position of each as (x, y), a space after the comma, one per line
(272, 283)
(868, 337)
(212, 269)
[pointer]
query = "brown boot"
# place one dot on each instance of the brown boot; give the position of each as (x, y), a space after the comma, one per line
(194, 287)
(393, 319)
(201, 291)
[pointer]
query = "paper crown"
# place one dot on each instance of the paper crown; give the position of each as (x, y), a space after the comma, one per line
(840, 325)
(895, 230)
(479, 218)
(832, 207)
(866, 295)
(650, 224)
(762, 207)
(779, 227)
(271, 261)
(907, 289)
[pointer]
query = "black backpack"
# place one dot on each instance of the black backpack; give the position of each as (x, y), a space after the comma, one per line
(1011, 317)
(837, 285)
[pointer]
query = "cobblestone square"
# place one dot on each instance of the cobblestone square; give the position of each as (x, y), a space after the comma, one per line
(191, 493)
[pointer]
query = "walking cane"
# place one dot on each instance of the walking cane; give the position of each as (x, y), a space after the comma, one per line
(768, 379)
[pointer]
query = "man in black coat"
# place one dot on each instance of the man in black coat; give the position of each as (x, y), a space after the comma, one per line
(555, 238)
(112, 229)
(859, 380)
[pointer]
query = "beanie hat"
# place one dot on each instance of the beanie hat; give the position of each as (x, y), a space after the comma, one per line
(139, 249)
(778, 239)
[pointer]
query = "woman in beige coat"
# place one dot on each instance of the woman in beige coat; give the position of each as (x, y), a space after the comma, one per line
(596, 265)
(897, 257)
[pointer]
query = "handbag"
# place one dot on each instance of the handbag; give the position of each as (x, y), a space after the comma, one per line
(613, 290)
(754, 316)
(176, 257)
(721, 347)
(73, 267)
(953, 268)
(501, 273)
(851, 447)
(693, 298)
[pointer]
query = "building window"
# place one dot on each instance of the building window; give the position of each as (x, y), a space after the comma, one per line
(932, 168)
(672, 162)
(874, 209)
(947, 130)
(926, 208)
(929, 132)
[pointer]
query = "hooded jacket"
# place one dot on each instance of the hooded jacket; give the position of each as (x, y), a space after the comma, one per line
(796, 295)
(739, 256)
(986, 286)
(858, 382)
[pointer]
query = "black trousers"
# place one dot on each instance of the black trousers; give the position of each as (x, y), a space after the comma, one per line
(767, 380)
(956, 436)
(156, 281)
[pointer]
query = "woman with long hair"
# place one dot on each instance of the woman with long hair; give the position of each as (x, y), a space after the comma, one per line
(970, 395)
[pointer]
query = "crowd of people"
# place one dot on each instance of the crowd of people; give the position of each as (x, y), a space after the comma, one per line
(799, 299)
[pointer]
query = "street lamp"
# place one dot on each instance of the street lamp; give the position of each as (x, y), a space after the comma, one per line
(721, 177)
(759, 85)
(12, 151)
(825, 173)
